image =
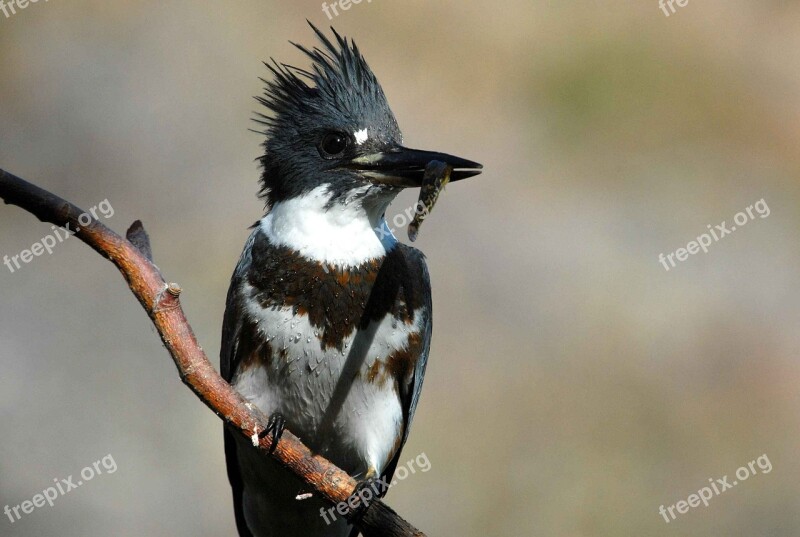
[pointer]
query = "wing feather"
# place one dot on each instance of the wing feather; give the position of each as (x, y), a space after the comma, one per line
(410, 394)
(229, 361)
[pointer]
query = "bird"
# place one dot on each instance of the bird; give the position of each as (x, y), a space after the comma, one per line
(328, 320)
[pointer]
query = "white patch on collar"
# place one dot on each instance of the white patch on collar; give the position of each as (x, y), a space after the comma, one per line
(345, 234)
(361, 136)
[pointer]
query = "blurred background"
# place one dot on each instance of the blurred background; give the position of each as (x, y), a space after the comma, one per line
(575, 385)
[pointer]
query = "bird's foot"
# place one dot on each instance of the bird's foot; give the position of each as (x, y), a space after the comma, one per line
(275, 427)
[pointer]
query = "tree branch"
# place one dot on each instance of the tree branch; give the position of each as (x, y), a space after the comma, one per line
(161, 302)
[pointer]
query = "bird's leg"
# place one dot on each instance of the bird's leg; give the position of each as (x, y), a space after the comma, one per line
(275, 427)
(372, 487)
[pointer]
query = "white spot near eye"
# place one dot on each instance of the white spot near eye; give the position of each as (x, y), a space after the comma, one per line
(361, 136)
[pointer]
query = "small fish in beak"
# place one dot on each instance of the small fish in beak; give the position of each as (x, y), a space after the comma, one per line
(437, 175)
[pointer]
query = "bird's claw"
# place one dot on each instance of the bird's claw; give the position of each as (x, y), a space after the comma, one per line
(275, 427)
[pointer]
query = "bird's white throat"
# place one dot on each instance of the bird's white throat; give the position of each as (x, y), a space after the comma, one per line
(345, 234)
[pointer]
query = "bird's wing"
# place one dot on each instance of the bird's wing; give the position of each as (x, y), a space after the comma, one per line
(229, 360)
(419, 280)
(416, 284)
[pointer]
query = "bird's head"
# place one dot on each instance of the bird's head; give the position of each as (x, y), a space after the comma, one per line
(330, 129)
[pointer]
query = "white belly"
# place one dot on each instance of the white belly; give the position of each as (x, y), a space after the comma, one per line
(325, 395)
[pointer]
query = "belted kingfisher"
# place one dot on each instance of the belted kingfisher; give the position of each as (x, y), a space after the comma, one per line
(328, 317)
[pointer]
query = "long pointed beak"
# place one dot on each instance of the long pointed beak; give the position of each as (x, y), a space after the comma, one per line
(406, 167)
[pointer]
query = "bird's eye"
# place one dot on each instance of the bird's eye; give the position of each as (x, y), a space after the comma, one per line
(334, 144)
